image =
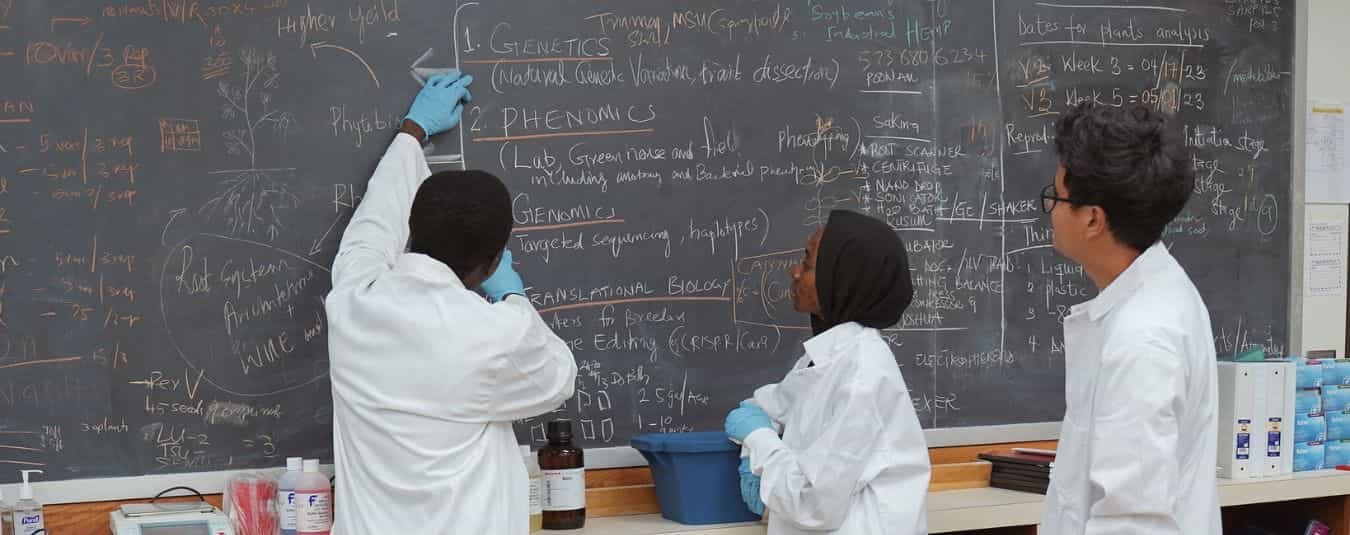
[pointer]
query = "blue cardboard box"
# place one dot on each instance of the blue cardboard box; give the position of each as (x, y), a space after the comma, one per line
(1335, 372)
(1308, 401)
(1309, 456)
(1310, 427)
(1309, 372)
(1335, 398)
(1337, 453)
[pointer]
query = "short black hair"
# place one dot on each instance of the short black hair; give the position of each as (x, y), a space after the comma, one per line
(461, 218)
(1130, 161)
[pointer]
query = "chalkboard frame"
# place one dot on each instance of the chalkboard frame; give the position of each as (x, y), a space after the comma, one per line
(145, 486)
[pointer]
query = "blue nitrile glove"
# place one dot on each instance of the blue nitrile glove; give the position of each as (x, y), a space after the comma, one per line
(750, 488)
(438, 106)
(746, 419)
(504, 281)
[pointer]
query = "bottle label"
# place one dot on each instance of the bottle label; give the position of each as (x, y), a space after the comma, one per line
(536, 495)
(313, 511)
(28, 524)
(1244, 440)
(1273, 429)
(286, 500)
(565, 490)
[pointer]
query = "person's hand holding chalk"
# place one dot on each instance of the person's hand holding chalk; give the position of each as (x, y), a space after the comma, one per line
(440, 104)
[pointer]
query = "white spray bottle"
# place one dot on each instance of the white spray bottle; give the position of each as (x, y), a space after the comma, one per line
(27, 511)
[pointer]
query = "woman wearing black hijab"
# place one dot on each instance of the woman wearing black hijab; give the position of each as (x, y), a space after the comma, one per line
(852, 457)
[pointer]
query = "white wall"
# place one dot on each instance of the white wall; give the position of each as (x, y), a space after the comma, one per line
(1329, 49)
(1324, 317)
(1328, 79)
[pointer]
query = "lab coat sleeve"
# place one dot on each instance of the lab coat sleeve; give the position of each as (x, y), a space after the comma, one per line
(539, 373)
(767, 399)
(378, 231)
(812, 488)
(1133, 471)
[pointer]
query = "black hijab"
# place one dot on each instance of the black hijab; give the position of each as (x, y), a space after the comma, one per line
(862, 273)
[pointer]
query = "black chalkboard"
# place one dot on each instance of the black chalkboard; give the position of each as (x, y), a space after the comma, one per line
(175, 176)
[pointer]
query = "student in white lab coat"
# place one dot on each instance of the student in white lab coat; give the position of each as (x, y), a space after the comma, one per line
(1138, 443)
(852, 458)
(427, 375)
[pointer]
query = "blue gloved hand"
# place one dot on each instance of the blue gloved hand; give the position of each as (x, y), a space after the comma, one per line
(750, 488)
(439, 105)
(746, 419)
(504, 281)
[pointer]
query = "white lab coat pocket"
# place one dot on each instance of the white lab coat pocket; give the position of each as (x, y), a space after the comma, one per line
(1066, 505)
(1069, 487)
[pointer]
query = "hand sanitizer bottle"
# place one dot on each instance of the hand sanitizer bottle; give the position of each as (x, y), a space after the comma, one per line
(27, 511)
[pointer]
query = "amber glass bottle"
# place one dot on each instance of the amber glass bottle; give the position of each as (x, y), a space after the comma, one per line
(564, 478)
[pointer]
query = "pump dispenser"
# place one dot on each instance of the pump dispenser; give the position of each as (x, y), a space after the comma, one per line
(27, 511)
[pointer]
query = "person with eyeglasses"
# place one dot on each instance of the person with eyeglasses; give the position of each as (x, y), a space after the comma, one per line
(1138, 443)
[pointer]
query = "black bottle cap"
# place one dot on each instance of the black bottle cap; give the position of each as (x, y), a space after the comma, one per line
(559, 431)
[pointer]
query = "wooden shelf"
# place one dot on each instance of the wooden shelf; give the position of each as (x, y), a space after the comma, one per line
(986, 508)
(948, 511)
(1299, 486)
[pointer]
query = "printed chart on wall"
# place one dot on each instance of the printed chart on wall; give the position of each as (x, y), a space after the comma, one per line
(175, 176)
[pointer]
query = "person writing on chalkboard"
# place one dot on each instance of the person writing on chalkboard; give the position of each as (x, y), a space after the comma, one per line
(1137, 446)
(427, 375)
(851, 458)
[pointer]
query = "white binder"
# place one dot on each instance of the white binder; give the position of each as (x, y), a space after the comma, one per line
(1277, 454)
(1241, 434)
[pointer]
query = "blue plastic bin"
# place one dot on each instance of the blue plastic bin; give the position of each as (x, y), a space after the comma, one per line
(696, 476)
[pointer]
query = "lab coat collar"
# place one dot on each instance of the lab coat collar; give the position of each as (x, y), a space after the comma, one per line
(821, 347)
(427, 268)
(1144, 268)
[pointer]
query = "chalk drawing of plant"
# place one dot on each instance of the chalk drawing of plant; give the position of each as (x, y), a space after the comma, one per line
(253, 198)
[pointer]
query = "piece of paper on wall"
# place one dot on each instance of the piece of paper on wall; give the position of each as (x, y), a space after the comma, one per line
(1327, 157)
(1324, 264)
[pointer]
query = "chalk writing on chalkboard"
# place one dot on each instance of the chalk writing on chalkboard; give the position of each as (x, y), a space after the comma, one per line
(175, 178)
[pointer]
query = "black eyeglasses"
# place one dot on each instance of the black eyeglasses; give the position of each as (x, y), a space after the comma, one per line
(1049, 199)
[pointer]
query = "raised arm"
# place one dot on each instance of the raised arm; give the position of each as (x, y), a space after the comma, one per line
(378, 231)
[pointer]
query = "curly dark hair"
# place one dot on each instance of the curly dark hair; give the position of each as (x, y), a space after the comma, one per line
(1131, 162)
(461, 218)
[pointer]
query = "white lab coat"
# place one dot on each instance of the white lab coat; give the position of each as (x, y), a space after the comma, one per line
(1138, 443)
(427, 377)
(852, 458)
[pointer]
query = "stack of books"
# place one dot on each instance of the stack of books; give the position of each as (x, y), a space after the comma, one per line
(1020, 470)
